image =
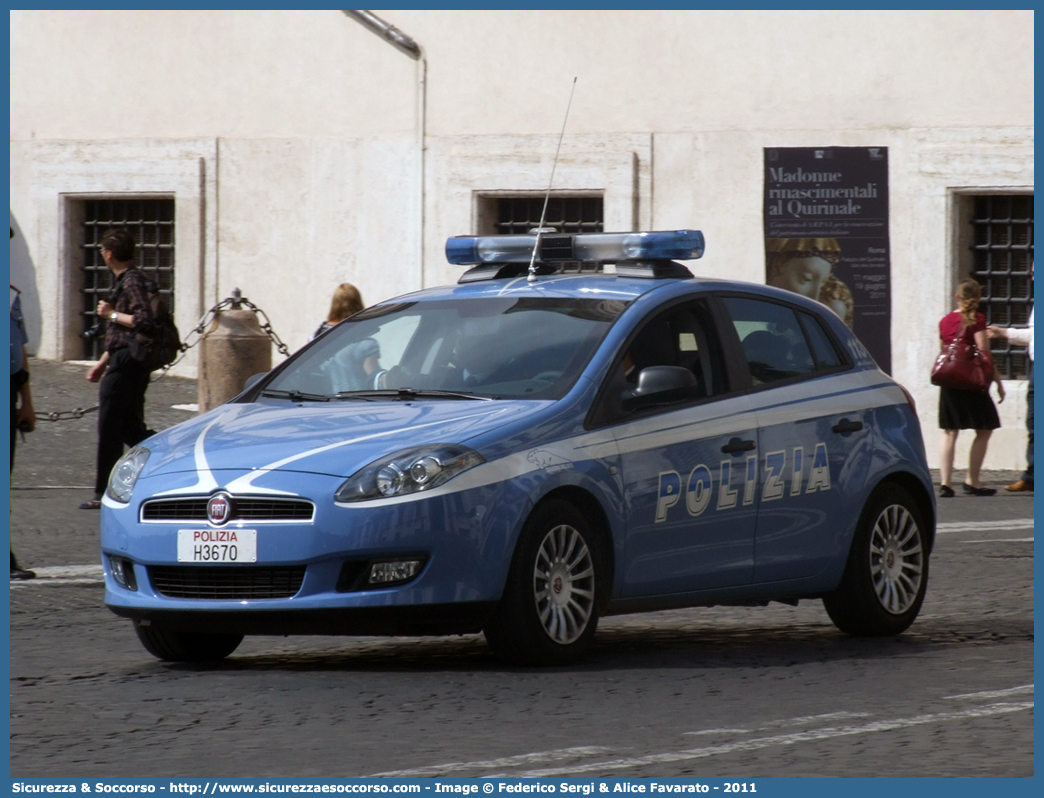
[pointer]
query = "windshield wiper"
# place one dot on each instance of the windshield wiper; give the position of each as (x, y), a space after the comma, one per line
(412, 393)
(296, 396)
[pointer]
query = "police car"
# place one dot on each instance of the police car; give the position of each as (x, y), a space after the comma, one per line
(578, 428)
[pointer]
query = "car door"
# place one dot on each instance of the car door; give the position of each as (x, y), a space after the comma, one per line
(688, 466)
(814, 436)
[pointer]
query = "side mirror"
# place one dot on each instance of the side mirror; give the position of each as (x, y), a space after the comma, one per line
(253, 380)
(660, 385)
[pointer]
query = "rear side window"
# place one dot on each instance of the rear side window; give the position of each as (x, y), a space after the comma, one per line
(827, 357)
(772, 338)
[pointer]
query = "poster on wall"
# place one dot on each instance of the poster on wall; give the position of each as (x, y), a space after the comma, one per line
(826, 234)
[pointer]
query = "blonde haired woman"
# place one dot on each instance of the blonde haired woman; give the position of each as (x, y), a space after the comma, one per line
(346, 301)
(966, 409)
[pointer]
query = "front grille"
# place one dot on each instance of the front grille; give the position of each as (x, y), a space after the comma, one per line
(243, 509)
(206, 582)
(175, 510)
(271, 510)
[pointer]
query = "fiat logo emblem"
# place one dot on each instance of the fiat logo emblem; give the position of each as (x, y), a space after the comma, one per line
(219, 508)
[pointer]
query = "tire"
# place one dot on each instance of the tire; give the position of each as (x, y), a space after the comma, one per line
(549, 610)
(186, 646)
(886, 576)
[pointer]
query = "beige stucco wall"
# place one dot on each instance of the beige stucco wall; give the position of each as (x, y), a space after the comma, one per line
(671, 71)
(188, 74)
(291, 141)
(184, 74)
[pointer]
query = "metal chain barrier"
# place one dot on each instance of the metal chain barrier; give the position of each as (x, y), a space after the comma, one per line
(199, 331)
(233, 302)
(66, 415)
(266, 327)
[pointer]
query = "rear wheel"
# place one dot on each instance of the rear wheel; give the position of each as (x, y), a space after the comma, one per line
(186, 646)
(885, 579)
(549, 611)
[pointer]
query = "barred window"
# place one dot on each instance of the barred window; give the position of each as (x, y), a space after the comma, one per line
(151, 222)
(520, 213)
(1001, 250)
(565, 214)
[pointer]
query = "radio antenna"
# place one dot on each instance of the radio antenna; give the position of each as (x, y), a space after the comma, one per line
(543, 214)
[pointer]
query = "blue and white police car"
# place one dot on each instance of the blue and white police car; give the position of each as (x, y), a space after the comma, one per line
(584, 431)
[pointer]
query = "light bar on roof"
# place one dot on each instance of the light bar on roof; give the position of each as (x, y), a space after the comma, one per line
(600, 247)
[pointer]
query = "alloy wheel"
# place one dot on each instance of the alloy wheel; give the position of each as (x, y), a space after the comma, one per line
(564, 584)
(896, 559)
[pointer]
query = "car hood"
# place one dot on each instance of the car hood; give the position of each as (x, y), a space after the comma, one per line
(335, 439)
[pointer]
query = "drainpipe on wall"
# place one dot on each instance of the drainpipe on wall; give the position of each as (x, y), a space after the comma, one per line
(400, 41)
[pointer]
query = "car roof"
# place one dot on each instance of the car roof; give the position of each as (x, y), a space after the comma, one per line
(602, 286)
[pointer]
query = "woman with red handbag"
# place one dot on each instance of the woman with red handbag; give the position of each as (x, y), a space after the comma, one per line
(964, 409)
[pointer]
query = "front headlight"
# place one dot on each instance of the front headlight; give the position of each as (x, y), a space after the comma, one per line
(408, 471)
(125, 473)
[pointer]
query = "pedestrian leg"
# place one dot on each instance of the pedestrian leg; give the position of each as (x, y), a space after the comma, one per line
(976, 456)
(947, 445)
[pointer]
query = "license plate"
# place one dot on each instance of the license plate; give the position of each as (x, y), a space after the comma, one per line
(217, 545)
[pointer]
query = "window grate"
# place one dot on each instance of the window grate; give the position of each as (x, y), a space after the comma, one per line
(151, 222)
(565, 214)
(1002, 256)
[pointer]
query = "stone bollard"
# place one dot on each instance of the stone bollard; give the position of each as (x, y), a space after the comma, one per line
(233, 349)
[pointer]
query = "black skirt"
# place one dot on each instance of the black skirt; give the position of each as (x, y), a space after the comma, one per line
(966, 410)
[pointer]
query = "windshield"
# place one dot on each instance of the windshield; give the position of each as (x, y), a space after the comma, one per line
(495, 347)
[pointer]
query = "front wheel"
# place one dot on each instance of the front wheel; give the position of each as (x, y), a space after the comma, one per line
(885, 579)
(186, 646)
(549, 611)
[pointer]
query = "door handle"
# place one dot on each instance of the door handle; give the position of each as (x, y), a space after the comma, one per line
(844, 426)
(735, 446)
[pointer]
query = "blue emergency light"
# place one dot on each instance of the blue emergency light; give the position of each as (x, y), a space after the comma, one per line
(584, 247)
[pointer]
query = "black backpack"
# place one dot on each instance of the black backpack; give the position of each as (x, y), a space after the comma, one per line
(163, 348)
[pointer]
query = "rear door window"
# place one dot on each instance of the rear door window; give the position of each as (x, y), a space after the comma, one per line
(772, 339)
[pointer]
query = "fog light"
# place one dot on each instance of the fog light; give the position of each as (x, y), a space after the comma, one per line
(123, 572)
(383, 573)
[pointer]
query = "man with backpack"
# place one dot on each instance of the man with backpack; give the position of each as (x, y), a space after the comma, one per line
(124, 378)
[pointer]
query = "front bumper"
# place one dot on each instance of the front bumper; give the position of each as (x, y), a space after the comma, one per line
(465, 617)
(466, 538)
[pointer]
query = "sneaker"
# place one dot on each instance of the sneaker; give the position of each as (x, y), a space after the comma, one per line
(1018, 487)
(22, 573)
(945, 492)
(974, 491)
